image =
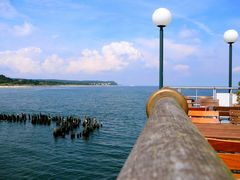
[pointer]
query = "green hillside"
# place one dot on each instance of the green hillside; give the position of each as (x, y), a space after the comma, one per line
(6, 81)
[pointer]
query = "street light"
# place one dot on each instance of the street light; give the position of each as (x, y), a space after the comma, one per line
(161, 18)
(230, 36)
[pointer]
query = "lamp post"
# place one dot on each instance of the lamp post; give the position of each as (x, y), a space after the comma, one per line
(230, 36)
(161, 18)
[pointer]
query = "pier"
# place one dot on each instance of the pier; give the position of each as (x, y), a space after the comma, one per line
(171, 147)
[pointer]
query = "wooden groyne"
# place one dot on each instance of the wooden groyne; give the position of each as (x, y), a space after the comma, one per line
(64, 125)
(170, 146)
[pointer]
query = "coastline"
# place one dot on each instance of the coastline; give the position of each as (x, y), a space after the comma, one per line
(47, 86)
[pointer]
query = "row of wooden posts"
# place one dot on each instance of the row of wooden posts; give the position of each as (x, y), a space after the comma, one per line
(64, 125)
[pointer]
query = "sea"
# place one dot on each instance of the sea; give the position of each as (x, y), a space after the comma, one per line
(31, 152)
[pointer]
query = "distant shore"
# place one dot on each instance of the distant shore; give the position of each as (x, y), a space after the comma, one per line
(68, 85)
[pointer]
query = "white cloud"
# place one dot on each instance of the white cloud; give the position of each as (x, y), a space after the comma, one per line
(173, 51)
(179, 51)
(7, 10)
(23, 30)
(236, 69)
(53, 64)
(112, 57)
(23, 60)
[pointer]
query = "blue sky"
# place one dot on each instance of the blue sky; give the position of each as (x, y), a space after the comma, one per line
(117, 40)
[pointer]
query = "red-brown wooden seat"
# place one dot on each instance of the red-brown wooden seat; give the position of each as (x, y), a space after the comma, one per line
(229, 152)
(225, 145)
(224, 110)
(234, 116)
(204, 116)
(225, 139)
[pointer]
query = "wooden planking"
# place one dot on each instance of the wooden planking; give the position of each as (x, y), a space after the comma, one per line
(204, 116)
(203, 113)
(234, 116)
(197, 108)
(231, 160)
(235, 120)
(209, 103)
(237, 176)
(199, 98)
(204, 120)
(234, 113)
(230, 146)
(220, 131)
(223, 113)
(224, 110)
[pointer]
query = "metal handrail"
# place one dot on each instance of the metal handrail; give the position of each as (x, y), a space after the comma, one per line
(213, 88)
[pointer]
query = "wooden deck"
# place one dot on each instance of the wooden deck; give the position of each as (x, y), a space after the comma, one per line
(220, 131)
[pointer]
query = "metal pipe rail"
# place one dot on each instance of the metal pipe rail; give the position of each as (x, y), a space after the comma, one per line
(170, 146)
(230, 90)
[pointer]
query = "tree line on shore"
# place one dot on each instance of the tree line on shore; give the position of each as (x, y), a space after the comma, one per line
(6, 81)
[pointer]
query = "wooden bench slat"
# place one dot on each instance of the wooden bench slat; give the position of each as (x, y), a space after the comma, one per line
(204, 116)
(230, 146)
(204, 120)
(235, 120)
(231, 160)
(223, 113)
(197, 108)
(220, 131)
(234, 113)
(203, 113)
(225, 108)
(237, 176)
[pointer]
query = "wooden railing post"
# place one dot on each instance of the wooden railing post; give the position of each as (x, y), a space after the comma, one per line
(170, 146)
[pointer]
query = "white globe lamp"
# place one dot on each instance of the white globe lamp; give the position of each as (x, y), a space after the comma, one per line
(230, 36)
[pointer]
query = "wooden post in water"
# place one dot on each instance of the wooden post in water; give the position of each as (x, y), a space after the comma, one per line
(170, 146)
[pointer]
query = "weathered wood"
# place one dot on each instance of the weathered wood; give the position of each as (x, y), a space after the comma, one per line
(222, 145)
(213, 102)
(220, 131)
(224, 110)
(204, 116)
(214, 114)
(237, 176)
(231, 160)
(197, 109)
(234, 113)
(171, 147)
(235, 120)
(204, 120)
(234, 116)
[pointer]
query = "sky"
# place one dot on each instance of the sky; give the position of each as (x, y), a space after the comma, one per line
(117, 40)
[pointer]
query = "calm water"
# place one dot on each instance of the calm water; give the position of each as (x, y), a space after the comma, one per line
(31, 152)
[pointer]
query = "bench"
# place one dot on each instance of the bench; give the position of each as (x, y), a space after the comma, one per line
(225, 139)
(229, 152)
(234, 116)
(198, 116)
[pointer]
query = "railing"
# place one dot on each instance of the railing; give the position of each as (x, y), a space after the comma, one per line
(170, 146)
(214, 89)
